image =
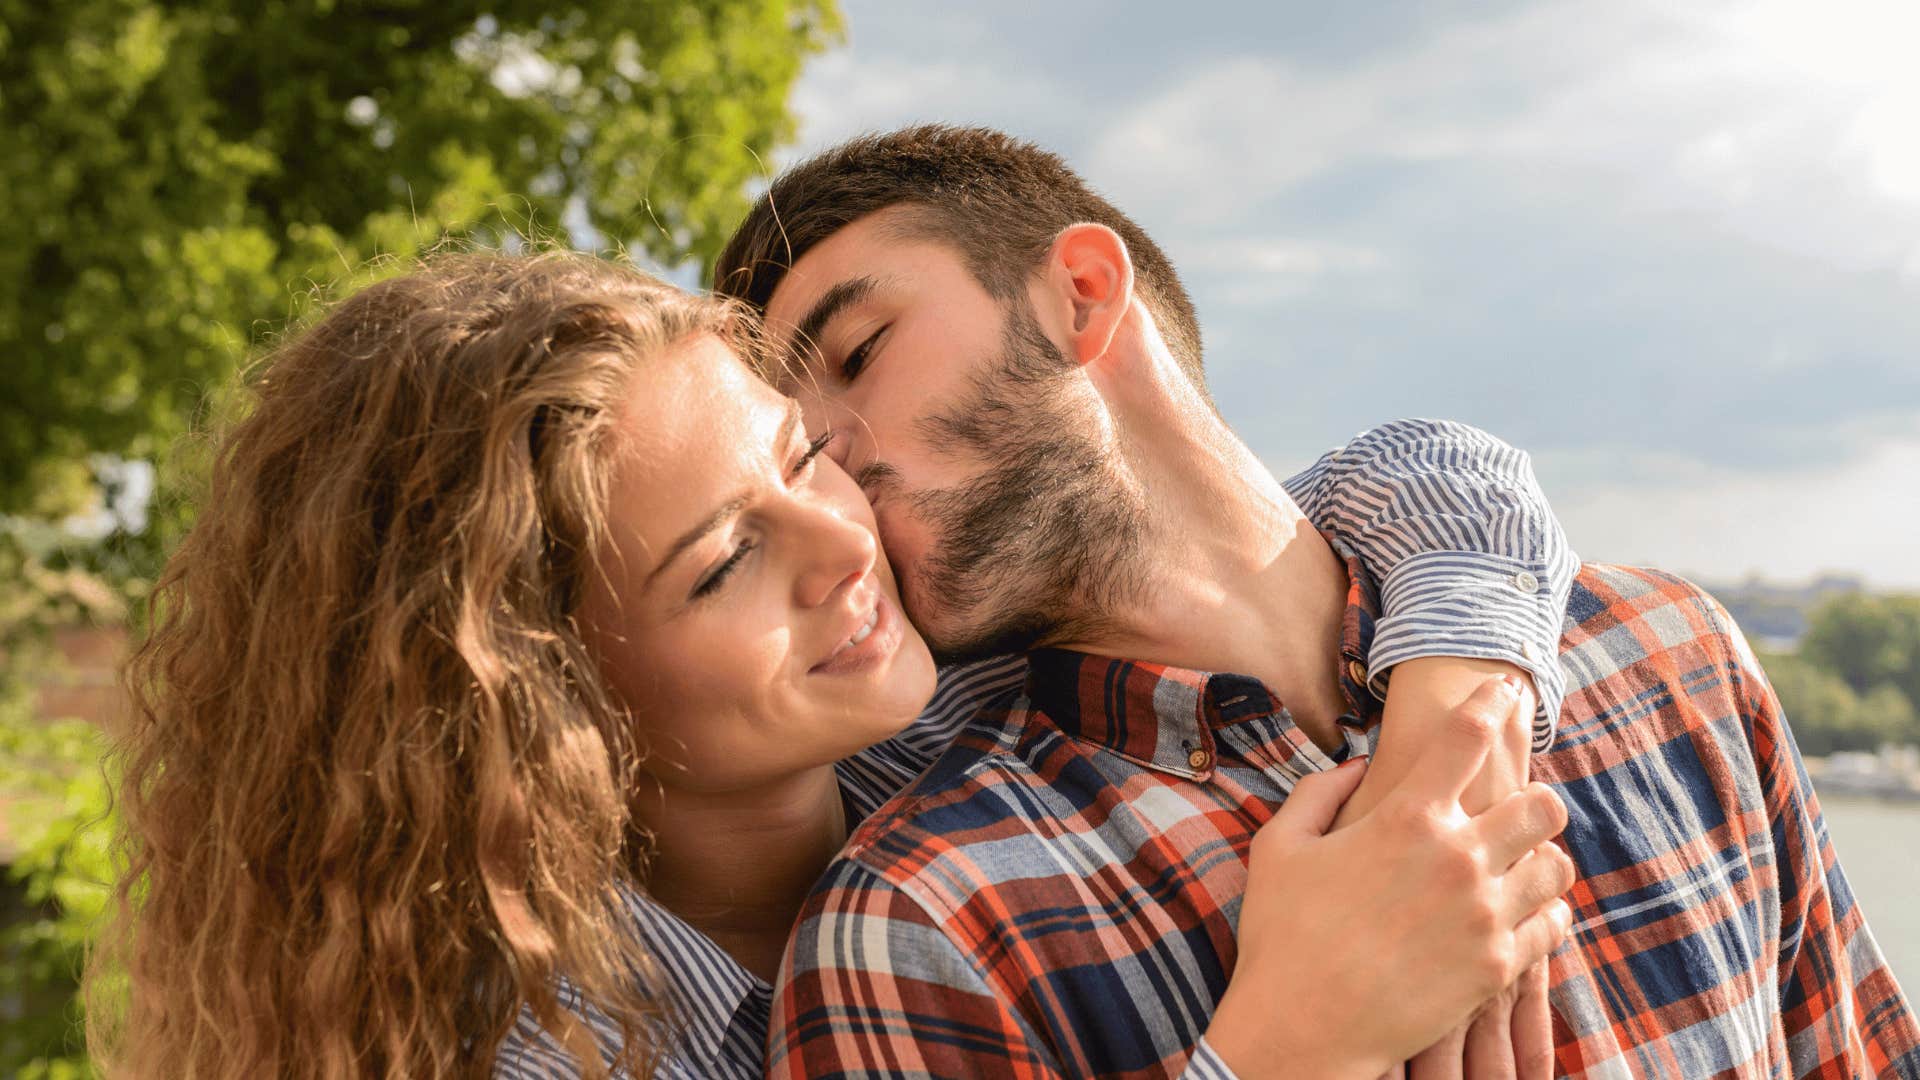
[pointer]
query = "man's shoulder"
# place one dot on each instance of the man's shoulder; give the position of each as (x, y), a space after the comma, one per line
(1654, 665)
(1619, 617)
(976, 808)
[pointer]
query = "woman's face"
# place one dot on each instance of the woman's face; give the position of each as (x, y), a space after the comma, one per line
(745, 613)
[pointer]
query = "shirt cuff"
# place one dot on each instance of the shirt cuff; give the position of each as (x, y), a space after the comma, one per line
(1205, 1064)
(1472, 604)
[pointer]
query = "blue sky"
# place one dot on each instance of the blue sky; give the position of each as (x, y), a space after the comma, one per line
(1672, 250)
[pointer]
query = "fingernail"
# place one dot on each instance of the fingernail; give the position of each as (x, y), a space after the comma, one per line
(1357, 760)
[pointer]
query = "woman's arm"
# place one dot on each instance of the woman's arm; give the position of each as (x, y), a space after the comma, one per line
(1470, 560)
(1474, 573)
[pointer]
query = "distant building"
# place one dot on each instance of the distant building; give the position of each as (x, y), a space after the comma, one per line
(1775, 616)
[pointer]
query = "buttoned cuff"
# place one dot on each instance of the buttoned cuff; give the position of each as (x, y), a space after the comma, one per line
(1205, 1064)
(1472, 604)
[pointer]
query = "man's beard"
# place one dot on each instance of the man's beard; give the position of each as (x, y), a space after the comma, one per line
(1046, 543)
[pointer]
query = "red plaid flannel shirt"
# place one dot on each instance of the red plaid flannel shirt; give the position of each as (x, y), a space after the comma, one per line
(1058, 895)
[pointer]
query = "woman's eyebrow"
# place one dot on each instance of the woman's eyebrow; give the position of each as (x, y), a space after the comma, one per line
(836, 300)
(728, 509)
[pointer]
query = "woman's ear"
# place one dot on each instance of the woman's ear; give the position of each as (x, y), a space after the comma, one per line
(1091, 276)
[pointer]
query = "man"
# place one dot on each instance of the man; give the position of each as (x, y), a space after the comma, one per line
(1017, 372)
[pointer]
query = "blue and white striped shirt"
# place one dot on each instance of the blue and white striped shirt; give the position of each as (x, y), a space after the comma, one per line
(1471, 563)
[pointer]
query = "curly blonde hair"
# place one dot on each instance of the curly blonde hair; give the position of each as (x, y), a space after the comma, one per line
(375, 791)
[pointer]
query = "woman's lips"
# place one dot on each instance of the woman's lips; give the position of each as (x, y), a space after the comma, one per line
(877, 639)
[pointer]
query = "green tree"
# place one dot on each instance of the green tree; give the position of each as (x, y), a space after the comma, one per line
(1869, 641)
(179, 175)
(56, 813)
(1825, 713)
(176, 171)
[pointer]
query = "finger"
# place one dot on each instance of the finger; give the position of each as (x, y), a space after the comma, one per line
(1316, 800)
(1542, 932)
(1489, 1053)
(1518, 823)
(1443, 1060)
(1534, 881)
(1452, 760)
(1532, 1026)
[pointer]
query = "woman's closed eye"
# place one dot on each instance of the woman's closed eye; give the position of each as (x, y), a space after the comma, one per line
(718, 576)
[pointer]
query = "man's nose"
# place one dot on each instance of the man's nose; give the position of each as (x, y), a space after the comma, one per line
(835, 553)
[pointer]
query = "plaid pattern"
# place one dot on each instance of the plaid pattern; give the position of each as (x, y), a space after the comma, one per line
(1058, 895)
(1451, 516)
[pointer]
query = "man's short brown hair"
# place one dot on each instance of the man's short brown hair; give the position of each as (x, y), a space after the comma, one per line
(998, 200)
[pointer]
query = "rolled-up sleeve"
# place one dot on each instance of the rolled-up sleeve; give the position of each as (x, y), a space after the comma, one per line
(1470, 559)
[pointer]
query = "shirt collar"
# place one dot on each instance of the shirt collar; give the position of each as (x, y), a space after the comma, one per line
(1165, 717)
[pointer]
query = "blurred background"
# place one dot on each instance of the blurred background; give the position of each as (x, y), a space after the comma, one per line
(1671, 250)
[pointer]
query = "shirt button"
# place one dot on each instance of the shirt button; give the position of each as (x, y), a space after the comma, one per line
(1526, 582)
(1358, 671)
(1527, 650)
(1198, 759)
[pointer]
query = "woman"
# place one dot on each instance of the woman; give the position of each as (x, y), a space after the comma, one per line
(461, 716)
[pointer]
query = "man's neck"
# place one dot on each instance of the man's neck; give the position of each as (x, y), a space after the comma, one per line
(1235, 578)
(736, 866)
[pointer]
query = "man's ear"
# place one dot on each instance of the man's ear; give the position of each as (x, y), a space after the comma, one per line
(1090, 277)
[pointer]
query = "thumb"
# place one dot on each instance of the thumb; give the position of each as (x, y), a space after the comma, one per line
(1316, 800)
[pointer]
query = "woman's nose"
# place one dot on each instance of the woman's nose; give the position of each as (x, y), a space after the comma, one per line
(836, 553)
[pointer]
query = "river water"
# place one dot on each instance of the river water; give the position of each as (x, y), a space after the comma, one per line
(1879, 847)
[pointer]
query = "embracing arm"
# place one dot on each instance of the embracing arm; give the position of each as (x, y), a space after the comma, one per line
(1470, 559)
(1475, 574)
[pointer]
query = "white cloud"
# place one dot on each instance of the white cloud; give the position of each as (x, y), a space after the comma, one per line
(1796, 126)
(1858, 516)
(1670, 248)
(1260, 271)
(854, 91)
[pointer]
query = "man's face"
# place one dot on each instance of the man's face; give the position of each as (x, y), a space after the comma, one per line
(969, 429)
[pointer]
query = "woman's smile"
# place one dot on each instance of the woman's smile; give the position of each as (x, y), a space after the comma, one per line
(874, 640)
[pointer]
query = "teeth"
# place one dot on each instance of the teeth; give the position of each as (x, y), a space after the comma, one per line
(860, 635)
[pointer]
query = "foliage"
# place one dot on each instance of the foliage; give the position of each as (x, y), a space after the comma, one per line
(175, 171)
(181, 177)
(1827, 715)
(62, 870)
(50, 775)
(1869, 642)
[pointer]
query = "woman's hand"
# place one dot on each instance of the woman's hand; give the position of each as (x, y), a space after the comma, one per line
(1511, 1037)
(1361, 947)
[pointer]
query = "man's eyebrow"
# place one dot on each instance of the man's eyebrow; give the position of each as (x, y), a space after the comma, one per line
(836, 300)
(728, 509)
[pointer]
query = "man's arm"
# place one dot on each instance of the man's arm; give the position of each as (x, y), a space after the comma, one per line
(1842, 1012)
